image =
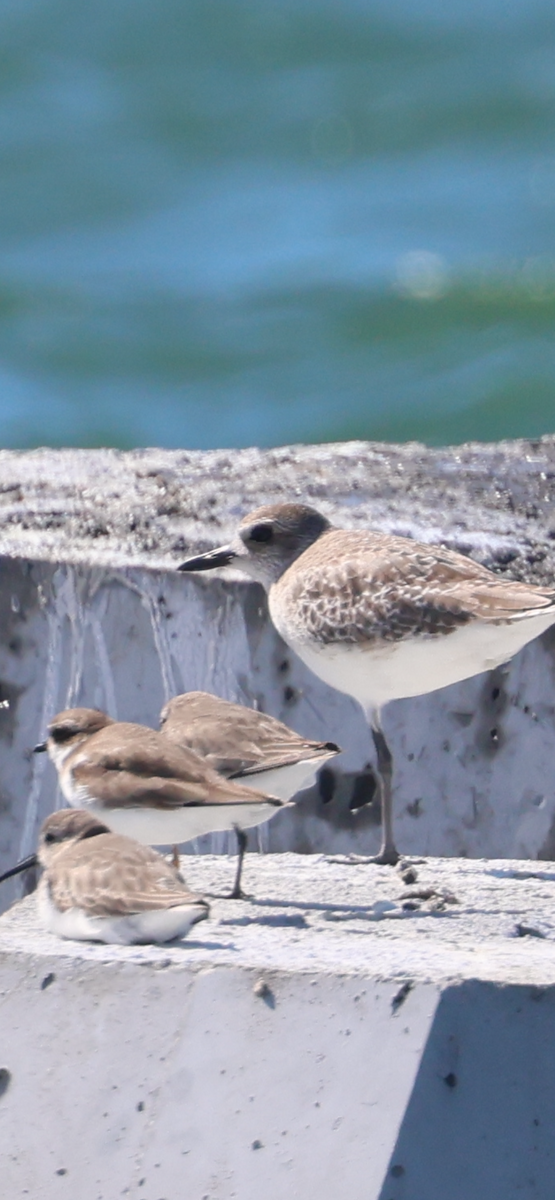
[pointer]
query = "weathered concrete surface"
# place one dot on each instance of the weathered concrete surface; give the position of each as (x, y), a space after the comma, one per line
(321, 1040)
(91, 612)
(104, 507)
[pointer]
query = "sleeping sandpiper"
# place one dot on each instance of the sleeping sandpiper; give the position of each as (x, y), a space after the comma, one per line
(100, 887)
(140, 784)
(380, 617)
(244, 744)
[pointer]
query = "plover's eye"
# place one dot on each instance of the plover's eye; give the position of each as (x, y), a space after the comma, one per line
(261, 533)
(61, 734)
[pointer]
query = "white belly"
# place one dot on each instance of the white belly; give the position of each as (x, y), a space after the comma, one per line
(285, 782)
(158, 925)
(419, 665)
(157, 827)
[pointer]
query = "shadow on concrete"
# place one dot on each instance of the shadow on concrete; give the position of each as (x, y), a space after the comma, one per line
(479, 1123)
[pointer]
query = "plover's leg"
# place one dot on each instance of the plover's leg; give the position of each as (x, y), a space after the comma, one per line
(237, 893)
(388, 854)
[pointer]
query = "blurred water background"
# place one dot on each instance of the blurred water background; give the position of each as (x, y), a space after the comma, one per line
(237, 222)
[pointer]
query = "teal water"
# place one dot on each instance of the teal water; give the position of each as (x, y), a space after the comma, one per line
(236, 223)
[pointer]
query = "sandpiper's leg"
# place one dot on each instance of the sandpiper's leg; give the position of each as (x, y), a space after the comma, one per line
(175, 858)
(237, 893)
(388, 854)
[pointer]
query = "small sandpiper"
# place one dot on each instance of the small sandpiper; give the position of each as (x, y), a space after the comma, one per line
(244, 744)
(380, 617)
(142, 785)
(101, 887)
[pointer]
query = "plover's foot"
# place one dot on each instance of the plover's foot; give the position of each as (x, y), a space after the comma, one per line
(237, 894)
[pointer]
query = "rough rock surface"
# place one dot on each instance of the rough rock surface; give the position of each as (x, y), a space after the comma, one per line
(151, 507)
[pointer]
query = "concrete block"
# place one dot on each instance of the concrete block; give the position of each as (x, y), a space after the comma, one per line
(323, 1039)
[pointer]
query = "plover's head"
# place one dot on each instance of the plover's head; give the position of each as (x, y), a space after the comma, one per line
(69, 728)
(61, 828)
(185, 708)
(267, 542)
(173, 708)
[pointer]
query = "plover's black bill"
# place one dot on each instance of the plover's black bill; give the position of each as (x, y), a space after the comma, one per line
(24, 865)
(209, 561)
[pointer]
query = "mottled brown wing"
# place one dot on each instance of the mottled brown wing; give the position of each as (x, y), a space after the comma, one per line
(387, 589)
(113, 875)
(235, 740)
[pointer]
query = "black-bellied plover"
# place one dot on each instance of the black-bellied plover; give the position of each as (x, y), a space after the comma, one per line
(380, 617)
(98, 886)
(141, 785)
(244, 744)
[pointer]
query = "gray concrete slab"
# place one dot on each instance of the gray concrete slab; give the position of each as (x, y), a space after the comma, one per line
(322, 1039)
(310, 910)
